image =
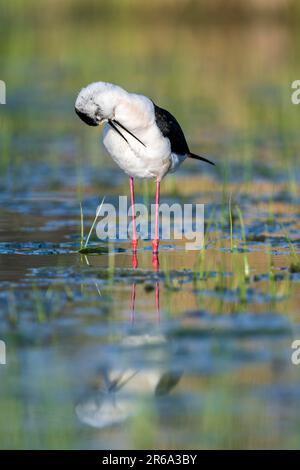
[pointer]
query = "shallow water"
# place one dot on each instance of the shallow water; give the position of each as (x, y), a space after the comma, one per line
(98, 351)
(194, 354)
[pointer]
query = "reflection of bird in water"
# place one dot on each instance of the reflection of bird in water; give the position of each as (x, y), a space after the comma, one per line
(117, 398)
(155, 264)
(145, 140)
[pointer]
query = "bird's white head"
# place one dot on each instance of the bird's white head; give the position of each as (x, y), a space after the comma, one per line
(96, 102)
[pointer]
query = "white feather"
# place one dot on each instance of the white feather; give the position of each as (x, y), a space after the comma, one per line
(136, 113)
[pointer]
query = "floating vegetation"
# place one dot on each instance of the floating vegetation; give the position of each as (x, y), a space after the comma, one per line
(94, 250)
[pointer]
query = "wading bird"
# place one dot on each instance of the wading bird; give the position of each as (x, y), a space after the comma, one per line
(145, 140)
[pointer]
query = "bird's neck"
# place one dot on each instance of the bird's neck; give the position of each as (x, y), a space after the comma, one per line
(111, 100)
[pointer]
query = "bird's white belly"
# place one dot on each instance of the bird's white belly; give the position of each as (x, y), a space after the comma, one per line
(136, 160)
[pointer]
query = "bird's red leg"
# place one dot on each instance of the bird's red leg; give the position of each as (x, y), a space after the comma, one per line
(134, 247)
(155, 242)
(157, 301)
(134, 236)
(133, 303)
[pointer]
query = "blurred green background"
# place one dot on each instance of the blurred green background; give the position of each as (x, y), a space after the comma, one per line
(223, 68)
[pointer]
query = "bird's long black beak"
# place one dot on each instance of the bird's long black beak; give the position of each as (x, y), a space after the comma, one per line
(113, 124)
(110, 122)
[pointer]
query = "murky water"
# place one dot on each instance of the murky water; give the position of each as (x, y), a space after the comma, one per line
(197, 353)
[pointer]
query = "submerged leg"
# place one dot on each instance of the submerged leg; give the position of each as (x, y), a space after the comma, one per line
(134, 236)
(157, 301)
(155, 242)
(133, 302)
(155, 264)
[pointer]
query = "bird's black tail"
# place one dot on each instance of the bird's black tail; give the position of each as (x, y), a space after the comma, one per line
(198, 157)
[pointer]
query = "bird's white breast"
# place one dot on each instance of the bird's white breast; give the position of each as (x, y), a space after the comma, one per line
(136, 112)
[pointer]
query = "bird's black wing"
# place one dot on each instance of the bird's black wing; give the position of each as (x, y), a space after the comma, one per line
(171, 129)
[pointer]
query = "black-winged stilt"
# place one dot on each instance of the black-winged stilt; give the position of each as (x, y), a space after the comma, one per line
(145, 140)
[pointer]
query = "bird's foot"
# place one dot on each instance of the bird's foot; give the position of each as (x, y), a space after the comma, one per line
(155, 244)
(134, 243)
(134, 261)
(155, 262)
